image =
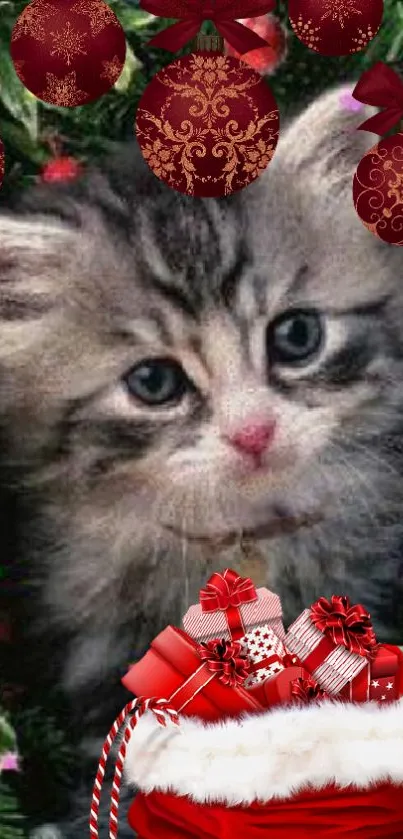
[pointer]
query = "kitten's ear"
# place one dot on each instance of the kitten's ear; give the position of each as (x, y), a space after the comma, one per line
(32, 236)
(32, 249)
(322, 147)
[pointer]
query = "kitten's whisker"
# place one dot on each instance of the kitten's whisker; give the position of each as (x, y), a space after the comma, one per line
(355, 476)
(371, 455)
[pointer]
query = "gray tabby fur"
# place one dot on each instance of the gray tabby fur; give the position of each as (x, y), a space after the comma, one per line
(87, 476)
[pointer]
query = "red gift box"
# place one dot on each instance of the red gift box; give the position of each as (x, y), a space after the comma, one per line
(230, 605)
(174, 668)
(333, 640)
(380, 680)
(265, 652)
(292, 684)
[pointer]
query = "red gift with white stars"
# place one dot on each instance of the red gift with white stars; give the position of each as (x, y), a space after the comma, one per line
(265, 652)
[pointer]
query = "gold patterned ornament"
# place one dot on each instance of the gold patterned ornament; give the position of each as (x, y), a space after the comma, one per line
(378, 179)
(207, 124)
(68, 52)
(335, 27)
(378, 190)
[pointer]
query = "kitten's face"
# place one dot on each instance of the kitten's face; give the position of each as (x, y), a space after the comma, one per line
(206, 367)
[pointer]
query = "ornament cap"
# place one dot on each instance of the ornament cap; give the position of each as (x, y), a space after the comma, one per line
(208, 43)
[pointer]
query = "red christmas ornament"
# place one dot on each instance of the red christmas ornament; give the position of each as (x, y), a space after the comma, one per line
(378, 189)
(378, 180)
(68, 52)
(207, 124)
(61, 169)
(267, 59)
(335, 27)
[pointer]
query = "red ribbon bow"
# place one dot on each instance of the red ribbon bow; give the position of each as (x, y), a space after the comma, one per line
(307, 690)
(226, 590)
(346, 625)
(381, 87)
(227, 659)
(290, 660)
(223, 13)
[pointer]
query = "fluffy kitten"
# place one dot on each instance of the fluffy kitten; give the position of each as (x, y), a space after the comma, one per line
(148, 342)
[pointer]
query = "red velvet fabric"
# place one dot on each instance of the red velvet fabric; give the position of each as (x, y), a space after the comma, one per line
(328, 814)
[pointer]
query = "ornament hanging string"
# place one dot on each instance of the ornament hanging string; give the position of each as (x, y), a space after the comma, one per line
(191, 14)
(380, 87)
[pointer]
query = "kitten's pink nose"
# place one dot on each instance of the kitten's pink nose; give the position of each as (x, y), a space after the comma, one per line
(253, 438)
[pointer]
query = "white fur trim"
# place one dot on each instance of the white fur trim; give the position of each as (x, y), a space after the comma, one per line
(275, 754)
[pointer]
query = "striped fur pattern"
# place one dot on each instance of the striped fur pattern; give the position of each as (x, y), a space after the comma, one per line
(116, 269)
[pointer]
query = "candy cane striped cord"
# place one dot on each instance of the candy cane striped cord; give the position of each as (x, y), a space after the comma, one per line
(138, 707)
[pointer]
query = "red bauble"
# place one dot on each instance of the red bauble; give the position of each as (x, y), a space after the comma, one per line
(335, 27)
(207, 124)
(267, 59)
(68, 52)
(61, 169)
(378, 190)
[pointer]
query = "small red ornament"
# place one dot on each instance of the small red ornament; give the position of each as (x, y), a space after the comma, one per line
(61, 169)
(266, 59)
(335, 27)
(68, 52)
(378, 180)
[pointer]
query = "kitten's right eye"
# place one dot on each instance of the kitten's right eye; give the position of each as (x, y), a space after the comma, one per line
(157, 381)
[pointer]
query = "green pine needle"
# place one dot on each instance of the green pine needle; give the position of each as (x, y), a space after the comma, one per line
(11, 820)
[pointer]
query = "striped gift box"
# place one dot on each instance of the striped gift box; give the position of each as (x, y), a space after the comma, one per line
(265, 610)
(332, 666)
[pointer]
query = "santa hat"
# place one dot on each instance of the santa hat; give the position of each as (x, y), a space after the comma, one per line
(328, 769)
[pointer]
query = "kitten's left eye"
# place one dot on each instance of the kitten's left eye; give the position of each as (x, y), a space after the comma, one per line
(295, 336)
(157, 381)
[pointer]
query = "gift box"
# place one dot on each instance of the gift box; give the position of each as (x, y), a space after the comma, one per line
(201, 680)
(293, 684)
(323, 770)
(379, 680)
(265, 652)
(230, 606)
(333, 640)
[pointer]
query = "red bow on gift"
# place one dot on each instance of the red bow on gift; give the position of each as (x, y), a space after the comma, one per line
(346, 625)
(290, 660)
(226, 590)
(307, 690)
(223, 13)
(381, 87)
(226, 659)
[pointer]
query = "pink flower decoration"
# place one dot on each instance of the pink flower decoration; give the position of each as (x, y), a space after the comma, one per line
(348, 102)
(9, 762)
